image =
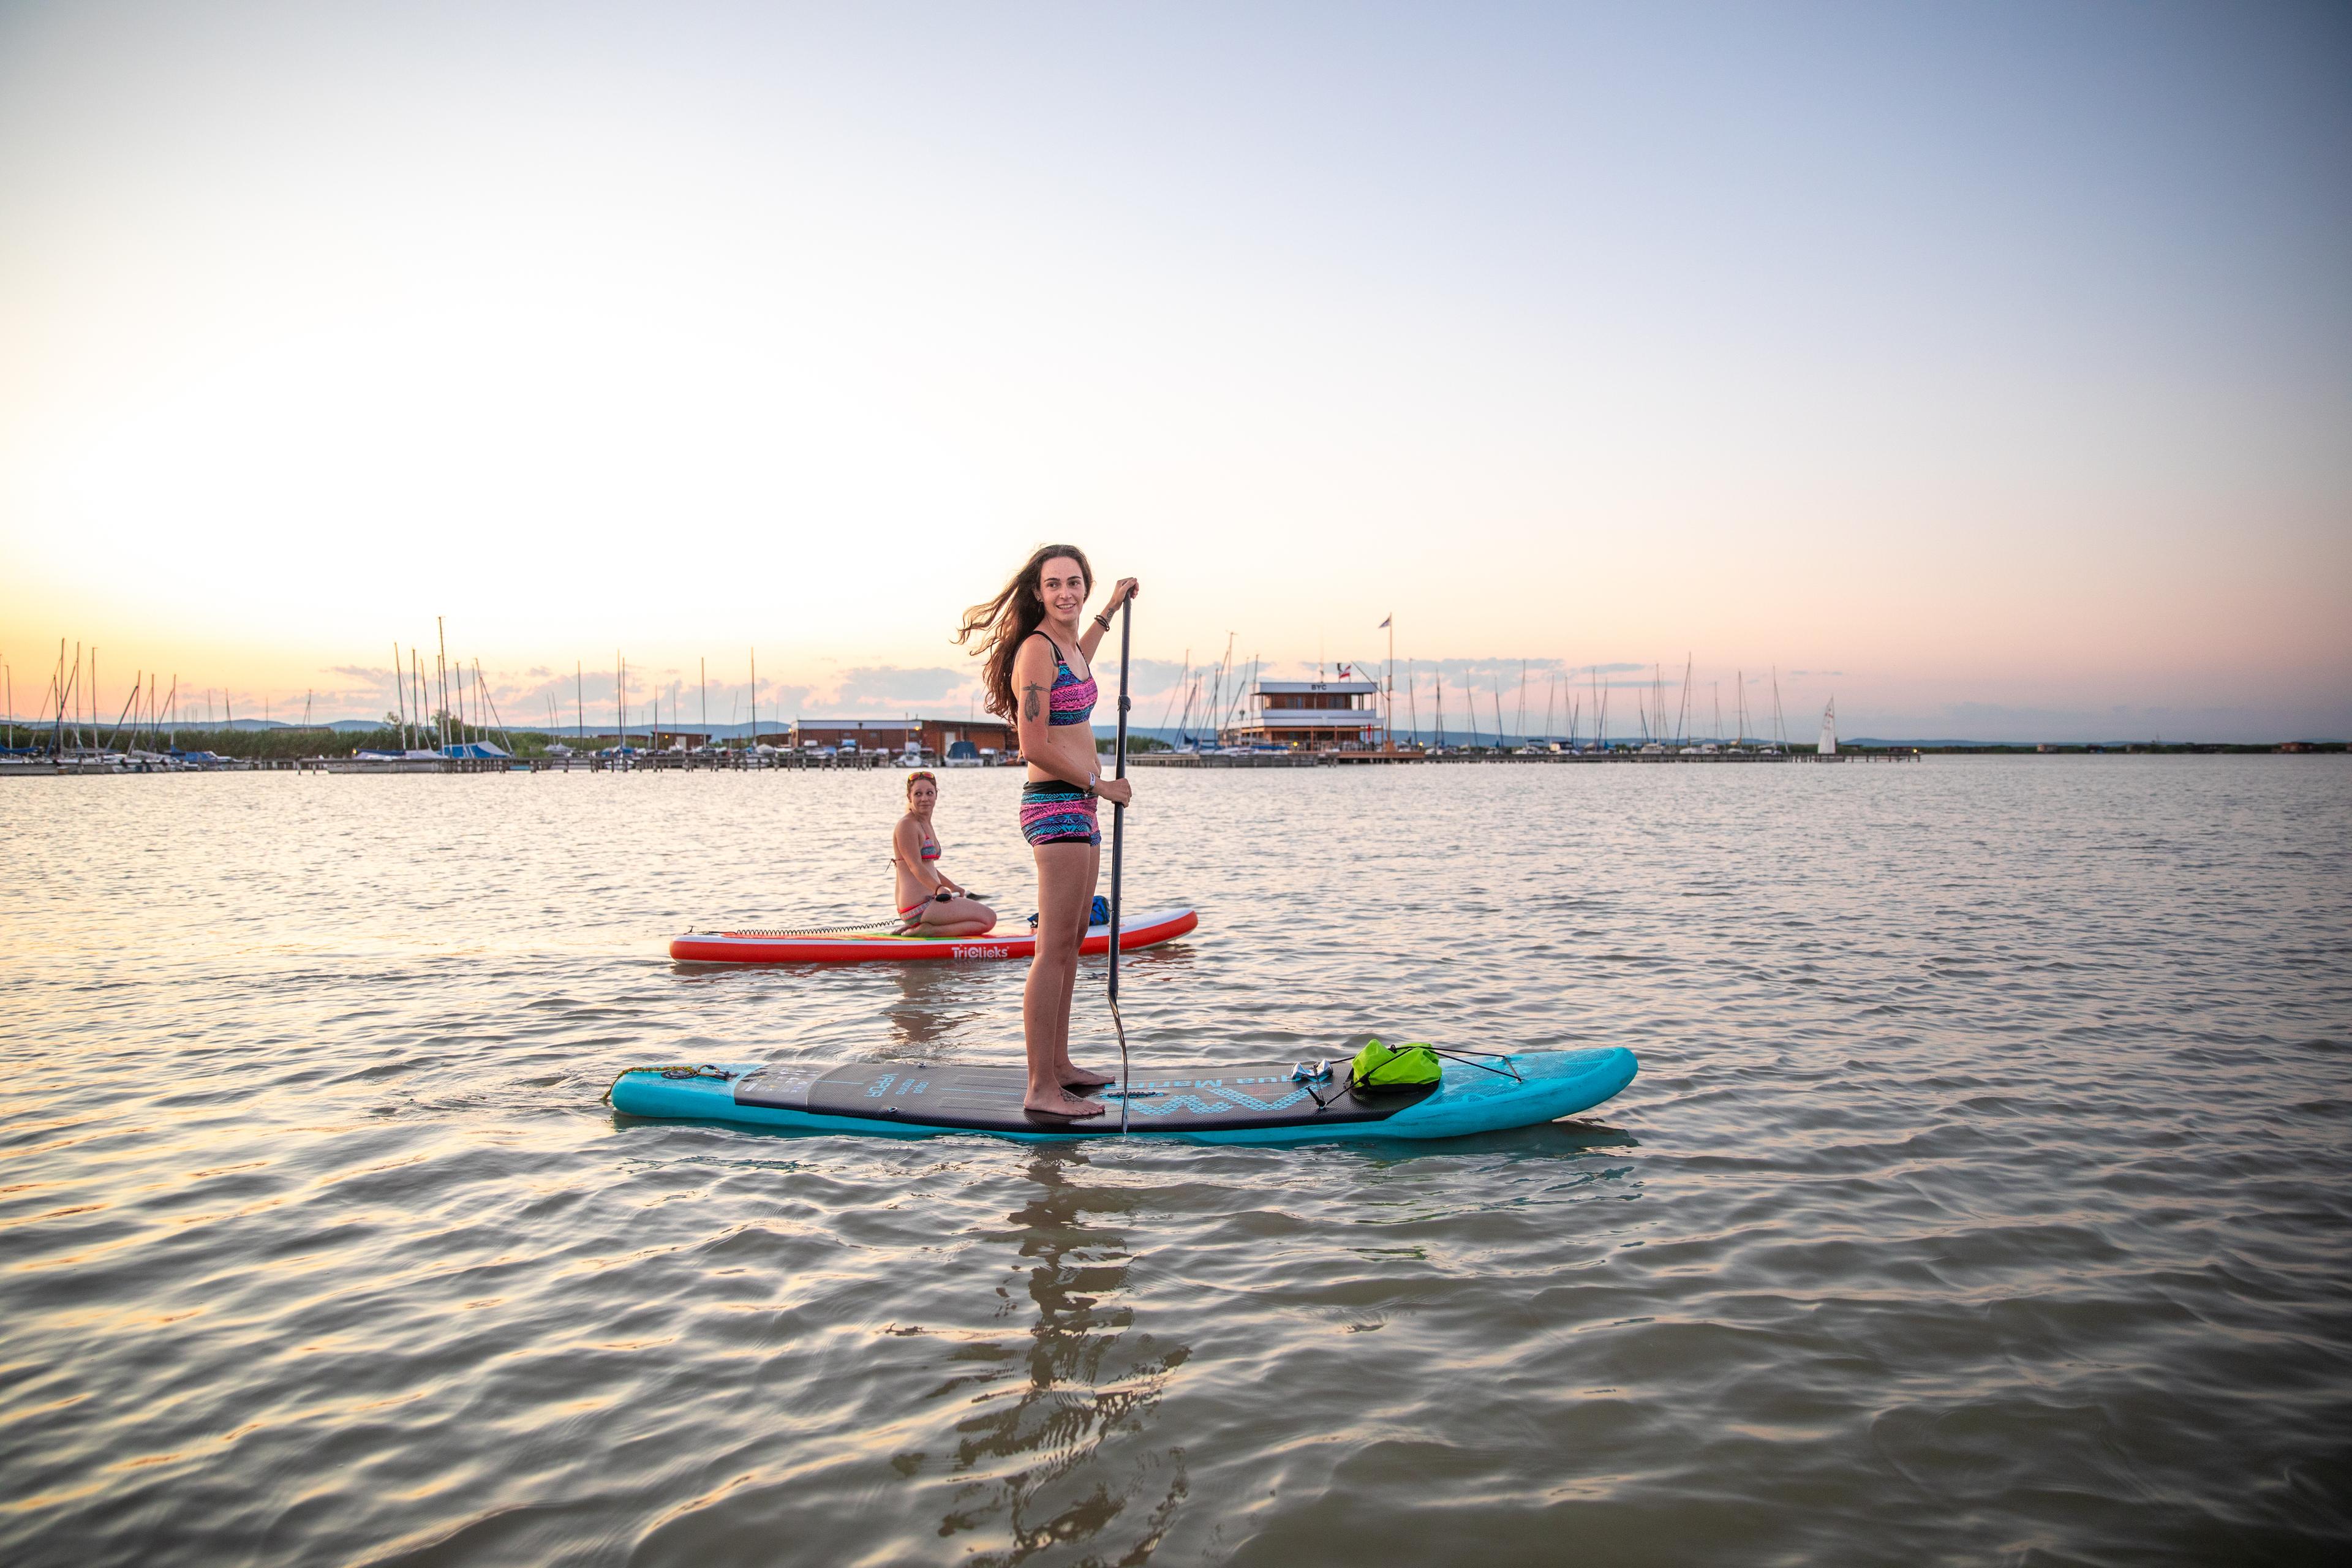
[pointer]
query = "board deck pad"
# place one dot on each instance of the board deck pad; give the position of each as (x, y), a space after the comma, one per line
(988, 1098)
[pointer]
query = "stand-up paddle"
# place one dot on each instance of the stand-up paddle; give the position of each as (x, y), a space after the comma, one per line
(1118, 844)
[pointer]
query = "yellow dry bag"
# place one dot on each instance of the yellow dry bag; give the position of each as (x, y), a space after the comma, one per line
(1382, 1066)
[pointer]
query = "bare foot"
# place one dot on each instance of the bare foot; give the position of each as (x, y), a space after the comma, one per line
(1082, 1078)
(1065, 1105)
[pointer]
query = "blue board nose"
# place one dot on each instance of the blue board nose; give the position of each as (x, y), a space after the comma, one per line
(1627, 1063)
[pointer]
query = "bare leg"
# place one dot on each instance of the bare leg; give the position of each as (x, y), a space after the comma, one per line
(1083, 1077)
(1065, 885)
(958, 917)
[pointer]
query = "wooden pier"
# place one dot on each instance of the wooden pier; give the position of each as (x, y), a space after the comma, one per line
(644, 762)
(1475, 758)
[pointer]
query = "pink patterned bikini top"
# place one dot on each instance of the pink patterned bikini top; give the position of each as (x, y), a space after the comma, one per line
(1072, 700)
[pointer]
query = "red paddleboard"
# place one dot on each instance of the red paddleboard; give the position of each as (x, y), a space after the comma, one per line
(880, 945)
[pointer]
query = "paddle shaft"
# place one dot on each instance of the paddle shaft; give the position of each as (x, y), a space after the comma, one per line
(1118, 848)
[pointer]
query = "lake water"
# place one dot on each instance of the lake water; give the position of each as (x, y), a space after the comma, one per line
(1983, 1197)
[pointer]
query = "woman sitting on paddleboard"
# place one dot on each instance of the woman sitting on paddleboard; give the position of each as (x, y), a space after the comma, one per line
(1040, 675)
(931, 902)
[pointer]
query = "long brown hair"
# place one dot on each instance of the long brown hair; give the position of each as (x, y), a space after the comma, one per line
(1004, 623)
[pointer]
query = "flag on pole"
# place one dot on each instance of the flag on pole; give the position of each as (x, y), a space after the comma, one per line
(1384, 624)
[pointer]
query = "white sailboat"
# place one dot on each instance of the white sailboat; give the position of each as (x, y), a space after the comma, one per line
(1828, 747)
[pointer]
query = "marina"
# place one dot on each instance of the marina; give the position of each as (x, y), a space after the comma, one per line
(786, 759)
(446, 721)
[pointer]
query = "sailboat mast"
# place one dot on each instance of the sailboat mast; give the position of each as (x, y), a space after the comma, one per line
(1168, 707)
(1217, 694)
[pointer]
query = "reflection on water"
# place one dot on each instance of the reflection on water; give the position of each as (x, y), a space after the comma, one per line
(1062, 1456)
(935, 1004)
(1572, 1139)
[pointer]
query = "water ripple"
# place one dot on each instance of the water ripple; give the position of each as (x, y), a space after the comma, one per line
(1983, 1197)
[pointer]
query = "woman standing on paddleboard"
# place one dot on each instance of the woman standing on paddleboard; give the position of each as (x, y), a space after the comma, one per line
(1039, 674)
(929, 901)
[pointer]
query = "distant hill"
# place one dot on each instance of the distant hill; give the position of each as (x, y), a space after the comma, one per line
(340, 725)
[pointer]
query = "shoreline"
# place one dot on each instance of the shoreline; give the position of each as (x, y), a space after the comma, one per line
(115, 765)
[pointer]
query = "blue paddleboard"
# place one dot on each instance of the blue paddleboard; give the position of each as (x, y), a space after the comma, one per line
(1257, 1103)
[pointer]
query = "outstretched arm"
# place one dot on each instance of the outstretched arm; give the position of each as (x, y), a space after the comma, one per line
(1090, 636)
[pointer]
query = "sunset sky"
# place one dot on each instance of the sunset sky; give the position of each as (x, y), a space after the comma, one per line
(1986, 366)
